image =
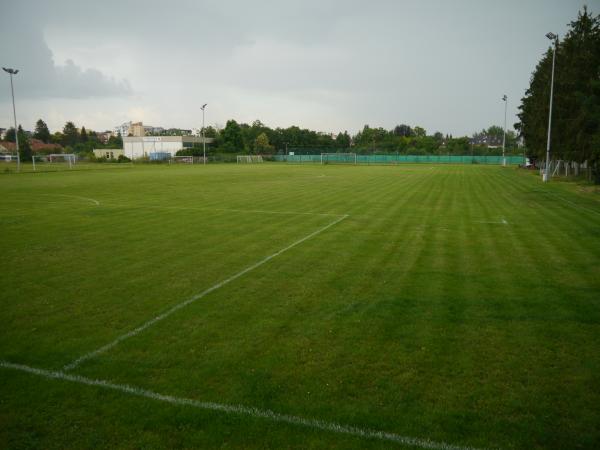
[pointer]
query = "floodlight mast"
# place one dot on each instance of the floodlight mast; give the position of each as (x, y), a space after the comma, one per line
(505, 99)
(203, 138)
(546, 176)
(12, 72)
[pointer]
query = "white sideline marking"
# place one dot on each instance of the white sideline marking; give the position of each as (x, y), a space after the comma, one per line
(239, 409)
(260, 211)
(96, 202)
(183, 304)
(576, 205)
(251, 211)
(501, 222)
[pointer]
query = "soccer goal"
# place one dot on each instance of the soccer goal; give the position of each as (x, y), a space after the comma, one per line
(249, 159)
(182, 160)
(8, 162)
(338, 158)
(55, 161)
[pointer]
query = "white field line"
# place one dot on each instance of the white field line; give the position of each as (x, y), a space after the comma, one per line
(198, 296)
(500, 222)
(575, 205)
(249, 211)
(240, 410)
(88, 199)
(192, 208)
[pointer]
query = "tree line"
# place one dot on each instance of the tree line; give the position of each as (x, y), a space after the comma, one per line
(575, 131)
(71, 138)
(258, 138)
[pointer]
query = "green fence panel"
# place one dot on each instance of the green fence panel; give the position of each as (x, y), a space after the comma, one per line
(399, 159)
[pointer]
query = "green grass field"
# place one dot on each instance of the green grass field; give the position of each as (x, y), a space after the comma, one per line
(447, 306)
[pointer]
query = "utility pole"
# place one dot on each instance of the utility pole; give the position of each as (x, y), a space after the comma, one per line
(12, 72)
(505, 98)
(203, 137)
(552, 37)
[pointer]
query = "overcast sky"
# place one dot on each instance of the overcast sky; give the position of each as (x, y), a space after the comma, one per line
(322, 64)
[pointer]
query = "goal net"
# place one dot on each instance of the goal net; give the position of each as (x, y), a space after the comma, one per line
(338, 158)
(249, 159)
(8, 162)
(182, 160)
(54, 161)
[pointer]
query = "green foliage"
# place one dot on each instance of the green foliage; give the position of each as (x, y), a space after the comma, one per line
(210, 132)
(41, 131)
(232, 140)
(576, 108)
(403, 130)
(70, 134)
(343, 140)
(115, 141)
(261, 144)
(10, 135)
(420, 132)
(24, 146)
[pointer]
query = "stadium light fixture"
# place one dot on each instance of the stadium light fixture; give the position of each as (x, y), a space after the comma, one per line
(505, 99)
(203, 138)
(546, 176)
(10, 73)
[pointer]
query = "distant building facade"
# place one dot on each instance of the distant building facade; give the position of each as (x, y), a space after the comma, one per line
(108, 153)
(122, 129)
(103, 136)
(144, 146)
(136, 130)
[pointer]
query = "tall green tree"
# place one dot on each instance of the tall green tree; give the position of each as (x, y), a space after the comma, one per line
(41, 131)
(83, 135)
(403, 130)
(70, 134)
(419, 132)
(261, 143)
(24, 147)
(115, 141)
(342, 140)
(10, 135)
(232, 140)
(575, 133)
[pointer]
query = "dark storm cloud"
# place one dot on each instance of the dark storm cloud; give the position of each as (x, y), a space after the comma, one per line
(23, 46)
(326, 64)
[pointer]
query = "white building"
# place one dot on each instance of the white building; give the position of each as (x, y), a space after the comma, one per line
(147, 146)
(123, 129)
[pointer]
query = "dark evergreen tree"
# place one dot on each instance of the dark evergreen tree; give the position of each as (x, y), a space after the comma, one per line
(41, 131)
(70, 134)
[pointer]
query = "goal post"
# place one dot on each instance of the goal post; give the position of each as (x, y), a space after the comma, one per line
(182, 159)
(249, 159)
(338, 158)
(55, 160)
(9, 162)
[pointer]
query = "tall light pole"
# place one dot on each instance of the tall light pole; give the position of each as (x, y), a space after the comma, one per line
(505, 98)
(12, 72)
(203, 138)
(546, 176)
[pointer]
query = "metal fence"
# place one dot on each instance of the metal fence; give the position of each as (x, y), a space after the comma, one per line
(403, 159)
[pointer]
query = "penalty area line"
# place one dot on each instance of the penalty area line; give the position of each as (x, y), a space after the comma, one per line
(88, 199)
(192, 299)
(266, 414)
(246, 211)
